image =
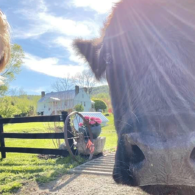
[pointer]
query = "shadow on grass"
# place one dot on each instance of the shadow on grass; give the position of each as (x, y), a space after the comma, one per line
(55, 174)
(55, 179)
(63, 184)
(56, 184)
(41, 173)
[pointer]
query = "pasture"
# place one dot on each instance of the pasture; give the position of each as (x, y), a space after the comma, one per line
(18, 169)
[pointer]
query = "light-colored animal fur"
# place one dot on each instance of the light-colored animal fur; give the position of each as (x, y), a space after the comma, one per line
(4, 42)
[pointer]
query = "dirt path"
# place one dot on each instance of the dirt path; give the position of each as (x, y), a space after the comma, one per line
(80, 185)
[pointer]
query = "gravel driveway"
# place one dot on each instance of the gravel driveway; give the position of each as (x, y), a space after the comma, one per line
(80, 185)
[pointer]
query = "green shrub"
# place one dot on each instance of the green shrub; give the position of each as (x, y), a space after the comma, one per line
(99, 104)
(79, 108)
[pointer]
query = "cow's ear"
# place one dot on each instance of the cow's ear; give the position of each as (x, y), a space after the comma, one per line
(90, 50)
(4, 42)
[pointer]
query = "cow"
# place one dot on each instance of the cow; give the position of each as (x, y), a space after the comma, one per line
(4, 42)
(147, 51)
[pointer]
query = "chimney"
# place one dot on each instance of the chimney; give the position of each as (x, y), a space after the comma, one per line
(43, 94)
(85, 89)
(76, 90)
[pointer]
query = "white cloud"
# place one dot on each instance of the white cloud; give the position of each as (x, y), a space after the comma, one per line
(51, 66)
(40, 5)
(48, 23)
(67, 44)
(41, 21)
(101, 6)
(65, 26)
(31, 32)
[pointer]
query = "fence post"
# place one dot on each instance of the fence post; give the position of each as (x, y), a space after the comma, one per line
(64, 115)
(2, 141)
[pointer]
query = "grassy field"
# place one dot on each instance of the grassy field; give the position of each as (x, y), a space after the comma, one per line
(110, 134)
(17, 169)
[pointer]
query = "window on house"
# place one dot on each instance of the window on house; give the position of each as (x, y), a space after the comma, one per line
(82, 95)
(84, 103)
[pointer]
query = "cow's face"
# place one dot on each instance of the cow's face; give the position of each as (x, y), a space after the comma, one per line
(147, 52)
(4, 42)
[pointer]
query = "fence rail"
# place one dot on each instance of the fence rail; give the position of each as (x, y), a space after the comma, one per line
(54, 118)
(35, 151)
(34, 135)
(3, 135)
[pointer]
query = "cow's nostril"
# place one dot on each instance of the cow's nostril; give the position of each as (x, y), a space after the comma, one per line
(192, 155)
(137, 155)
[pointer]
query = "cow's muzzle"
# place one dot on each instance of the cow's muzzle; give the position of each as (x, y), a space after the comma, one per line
(149, 160)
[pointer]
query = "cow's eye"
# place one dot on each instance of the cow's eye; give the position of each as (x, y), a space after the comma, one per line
(107, 58)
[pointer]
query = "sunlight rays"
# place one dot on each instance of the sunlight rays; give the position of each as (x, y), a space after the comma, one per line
(159, 39)
(156, 63)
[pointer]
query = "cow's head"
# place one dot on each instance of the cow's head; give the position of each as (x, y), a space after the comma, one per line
(4, 41)
(147, 50)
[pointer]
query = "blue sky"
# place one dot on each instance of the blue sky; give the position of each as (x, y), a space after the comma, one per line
(45, 30)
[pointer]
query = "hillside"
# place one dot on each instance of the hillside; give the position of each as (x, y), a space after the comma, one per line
(102, 93)
(100, 90)
(34, 97)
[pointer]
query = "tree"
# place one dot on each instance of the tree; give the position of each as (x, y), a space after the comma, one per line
(13, 67)
(105, 97)
(85, 79)
(23, 104)
(79, 108)
(63, 84)
(99, 104)
(3, 89)
(8, 109)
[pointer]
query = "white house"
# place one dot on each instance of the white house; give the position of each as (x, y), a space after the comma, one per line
(55, 102)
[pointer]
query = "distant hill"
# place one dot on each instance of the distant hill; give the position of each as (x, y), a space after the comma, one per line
(99, 90)
(33, 97)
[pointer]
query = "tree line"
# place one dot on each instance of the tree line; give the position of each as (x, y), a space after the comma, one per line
(18, 106)
(83, 79)
(15, 102)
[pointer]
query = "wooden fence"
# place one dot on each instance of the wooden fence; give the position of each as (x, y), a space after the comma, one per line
(3, 135)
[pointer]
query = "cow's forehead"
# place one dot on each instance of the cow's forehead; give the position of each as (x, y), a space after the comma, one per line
(155, 14)
(163, 38)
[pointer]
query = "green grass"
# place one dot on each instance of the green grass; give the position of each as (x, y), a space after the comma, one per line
(110, 134)
(18, 168)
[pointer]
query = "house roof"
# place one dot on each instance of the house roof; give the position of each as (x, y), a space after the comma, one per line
(70, 94)
(56, 99)
(96, 114)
